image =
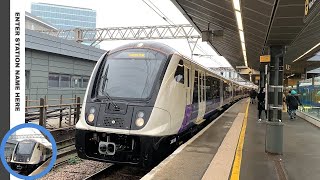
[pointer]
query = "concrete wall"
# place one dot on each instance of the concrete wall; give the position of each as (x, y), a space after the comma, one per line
(46, 54)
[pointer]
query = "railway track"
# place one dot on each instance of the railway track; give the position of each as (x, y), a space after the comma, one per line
(65, 140)
(119, 172)
(63, 134)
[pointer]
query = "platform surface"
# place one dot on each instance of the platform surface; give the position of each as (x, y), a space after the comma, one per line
(194, 161)
(301, 151)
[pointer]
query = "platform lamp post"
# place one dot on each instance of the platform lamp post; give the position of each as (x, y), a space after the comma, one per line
(274, 125)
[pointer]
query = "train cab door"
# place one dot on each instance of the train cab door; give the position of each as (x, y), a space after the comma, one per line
(187, 82)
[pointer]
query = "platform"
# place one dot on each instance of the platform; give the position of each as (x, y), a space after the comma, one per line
(233, 147)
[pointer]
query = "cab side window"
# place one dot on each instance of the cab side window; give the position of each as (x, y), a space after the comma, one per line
(179, 74)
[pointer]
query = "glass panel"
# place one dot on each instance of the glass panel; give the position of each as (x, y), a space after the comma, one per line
(195, 88)
(25, 147)
(85, 81)
(309, 96)
(53, 80)
(27, 80)
(131, 73)
(65, 81)
(76, 82)
(179, 74)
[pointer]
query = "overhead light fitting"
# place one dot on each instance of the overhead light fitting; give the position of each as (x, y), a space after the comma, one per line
(239, 20)
(306, 52)
(241, 36)
(237, 10)
(236, 5)
(243, 46)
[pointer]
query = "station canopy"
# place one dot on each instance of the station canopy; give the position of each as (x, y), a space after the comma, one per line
(294, 24)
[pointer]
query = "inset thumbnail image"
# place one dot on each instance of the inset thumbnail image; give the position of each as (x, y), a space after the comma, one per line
(27, 152)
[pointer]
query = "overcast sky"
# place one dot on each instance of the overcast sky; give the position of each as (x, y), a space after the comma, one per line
(123, 13)
(31, 131)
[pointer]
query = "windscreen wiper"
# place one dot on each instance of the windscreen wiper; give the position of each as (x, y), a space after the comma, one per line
(104, 79)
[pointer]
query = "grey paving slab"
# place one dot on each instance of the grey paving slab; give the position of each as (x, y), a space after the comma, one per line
(301, 150)
(192, 162)
(255, 164)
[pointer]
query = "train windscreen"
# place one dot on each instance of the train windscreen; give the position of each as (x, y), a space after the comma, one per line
(25, 147)
(130, 73)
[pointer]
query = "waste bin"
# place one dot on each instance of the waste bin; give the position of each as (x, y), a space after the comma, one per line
(274, 137)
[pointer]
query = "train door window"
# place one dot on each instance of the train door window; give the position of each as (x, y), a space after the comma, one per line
(204, 86)
(179, 74)
(216, 88)
(188, 80)
(200, 85)
(208, 90)
(195, 88)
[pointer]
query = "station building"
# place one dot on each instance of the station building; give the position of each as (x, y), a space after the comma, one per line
(66, 17)
(55, 66)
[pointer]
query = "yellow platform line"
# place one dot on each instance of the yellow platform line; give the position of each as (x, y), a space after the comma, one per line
(235, 174)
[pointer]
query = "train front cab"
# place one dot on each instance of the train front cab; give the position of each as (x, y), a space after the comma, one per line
(181, 99)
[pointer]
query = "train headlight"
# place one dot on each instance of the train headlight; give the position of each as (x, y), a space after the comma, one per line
(139, 122)
(140, 114)
(91, 114)
(15, 158)
(91, 117)
(28, 159)
(92, 110)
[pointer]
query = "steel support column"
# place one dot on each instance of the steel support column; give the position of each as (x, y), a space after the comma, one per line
(262, 75)
(274, 135)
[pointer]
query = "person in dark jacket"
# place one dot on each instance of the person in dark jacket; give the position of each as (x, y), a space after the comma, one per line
(253, 95)
(261, 102)
(293, 102)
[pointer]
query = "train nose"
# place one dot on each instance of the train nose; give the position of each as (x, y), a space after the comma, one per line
(107, 148)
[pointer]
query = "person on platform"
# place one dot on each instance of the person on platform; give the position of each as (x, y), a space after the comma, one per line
(253, 95)
(261, 102)
(293, 102)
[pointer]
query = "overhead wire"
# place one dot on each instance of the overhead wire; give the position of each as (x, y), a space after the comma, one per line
(164, 17)
(159, 12)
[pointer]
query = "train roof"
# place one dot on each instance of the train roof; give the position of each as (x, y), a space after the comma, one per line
(147, 45)
(37, 140)
(167, 50)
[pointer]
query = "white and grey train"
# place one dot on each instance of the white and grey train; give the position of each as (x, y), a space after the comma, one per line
(144, 96)
(29, 154)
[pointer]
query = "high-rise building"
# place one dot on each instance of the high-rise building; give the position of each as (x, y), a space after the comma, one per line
(65, 17)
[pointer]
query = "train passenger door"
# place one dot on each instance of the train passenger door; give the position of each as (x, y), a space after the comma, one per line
(202, 103)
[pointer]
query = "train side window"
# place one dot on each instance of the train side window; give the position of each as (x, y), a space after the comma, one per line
(179, 74)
